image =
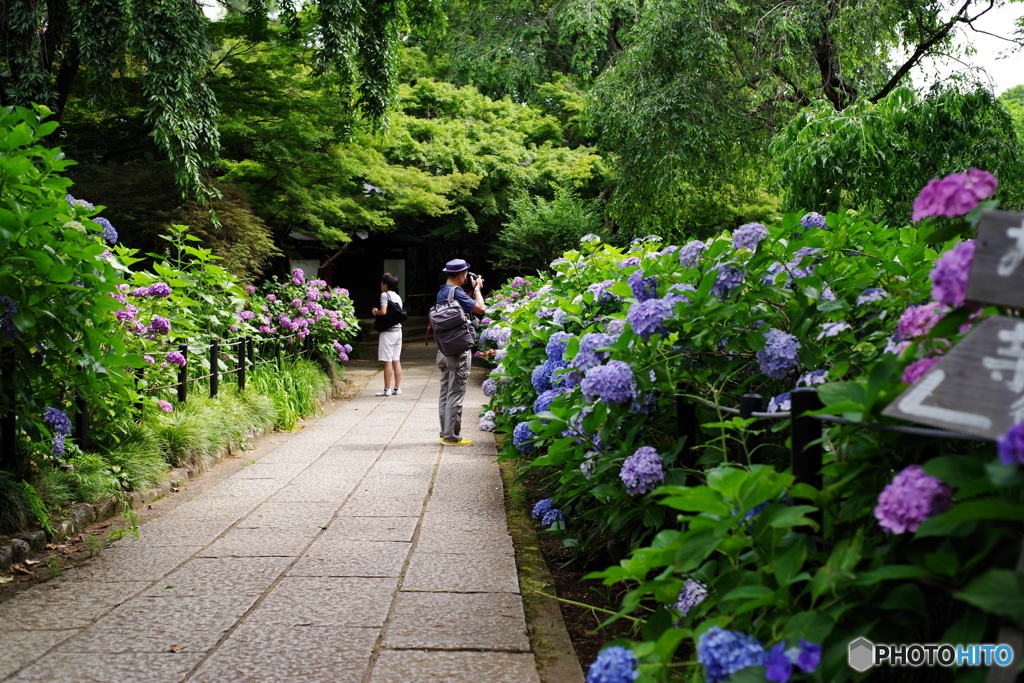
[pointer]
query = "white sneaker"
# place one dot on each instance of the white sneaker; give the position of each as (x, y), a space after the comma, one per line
(396, 392)
(383, 392)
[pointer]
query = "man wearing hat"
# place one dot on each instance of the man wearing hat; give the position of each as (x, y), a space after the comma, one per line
(455, 369)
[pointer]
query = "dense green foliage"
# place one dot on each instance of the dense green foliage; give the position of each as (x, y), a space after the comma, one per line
(781, 559)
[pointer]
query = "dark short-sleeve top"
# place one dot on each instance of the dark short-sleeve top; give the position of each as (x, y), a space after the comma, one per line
(460, 296)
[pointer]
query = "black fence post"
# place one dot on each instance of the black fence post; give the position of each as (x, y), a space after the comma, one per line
(749, 404)
(214, 369)
(805, 440)
(307, 347)
(242, 356)
(686, 429)
(139, 373)
(81, 422)
(8, 456)
(252, 352)
(183, 374)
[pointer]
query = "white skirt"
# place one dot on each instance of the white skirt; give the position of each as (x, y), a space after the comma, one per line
(390, 345)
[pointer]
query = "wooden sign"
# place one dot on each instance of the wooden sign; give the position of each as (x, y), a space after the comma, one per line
(997, 271)
(977, 388)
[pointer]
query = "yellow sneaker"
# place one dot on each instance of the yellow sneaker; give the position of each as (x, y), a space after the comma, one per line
(461, 441)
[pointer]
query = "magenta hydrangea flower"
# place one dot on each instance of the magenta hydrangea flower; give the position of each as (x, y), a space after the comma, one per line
(1011, 445)
(955, 195)
(949, 276)
(911, 498)
(160, 289)
(918, 368)
(917, 321)
(641, 472)
(165, 406)
(160, 325)
(177, 358)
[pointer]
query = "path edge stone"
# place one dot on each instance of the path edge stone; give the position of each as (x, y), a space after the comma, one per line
(549, 639)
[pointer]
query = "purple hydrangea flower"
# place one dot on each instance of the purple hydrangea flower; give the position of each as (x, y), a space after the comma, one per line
(911, 498)
(806, 655)
(613, 383)
(778, 358)
(813, 220)
(676, 293)
(644, 288)
(522, 437)
(541, 508)
(780, 403)
(748, 236)
(631, 262)
(159, 289)
(140, 292)
(723, 653)
(107, 231)
(691, 595)
(57, 420)
(871, 294)
(615, 327)
(490, 386)
(80, 203)
(773, 271)
(551, 516)
(832, 330)
(127, 313)
(917, 321)
(588, 356)
(728, 279)
(647, 317)
(10, 307)
(778, 665)
(955, 195)
(812, 378)
(949, 276)
(614, 665)
(689, 254)
(1011, 445)
(917, 369)
(556, 345)
(641, 472)
(160, 325)
(297, 274)
(798, 258)
(177, 358)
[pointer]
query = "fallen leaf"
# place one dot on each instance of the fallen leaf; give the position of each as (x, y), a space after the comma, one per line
(178, 648)
(29, 563)
(6, 579)
(18, 569)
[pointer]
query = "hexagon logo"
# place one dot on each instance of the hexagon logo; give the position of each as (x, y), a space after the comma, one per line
(862, 654)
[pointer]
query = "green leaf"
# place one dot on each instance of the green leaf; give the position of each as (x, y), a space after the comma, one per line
(24, 320)
(893, 572)
(997, 591)
(790, 563)
(62, 273)
(698, 499)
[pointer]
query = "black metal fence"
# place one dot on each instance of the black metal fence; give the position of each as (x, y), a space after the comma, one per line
(242, 353)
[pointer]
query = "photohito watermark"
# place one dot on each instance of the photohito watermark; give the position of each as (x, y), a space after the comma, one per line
(864, 654)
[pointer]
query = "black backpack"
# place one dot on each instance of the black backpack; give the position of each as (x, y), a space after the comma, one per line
(394, 316)
(453, 330)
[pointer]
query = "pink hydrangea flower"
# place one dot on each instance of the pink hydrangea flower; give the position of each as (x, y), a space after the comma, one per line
(165, 406)
(917, 321)
(911, 498)
(955, 195)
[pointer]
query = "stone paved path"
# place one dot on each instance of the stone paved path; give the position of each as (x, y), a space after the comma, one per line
(359, 549)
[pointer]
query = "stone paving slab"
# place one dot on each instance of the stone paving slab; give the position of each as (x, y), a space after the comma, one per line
(257, 653)
(401, 666)
(355, 549)
(457, 621)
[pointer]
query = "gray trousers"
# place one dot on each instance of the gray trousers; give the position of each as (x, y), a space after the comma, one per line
(454, 376)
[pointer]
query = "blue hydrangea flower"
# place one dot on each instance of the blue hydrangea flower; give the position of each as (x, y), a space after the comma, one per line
(600, 289)
(57, 420)
(522, 437)
(576, 430)
(490, 386)
(778, 358)
(589, 237)
(647, 317)
(107, 231)
(723, 653)
(806, 655)
(813, 220)
(644, 288)
(772, 273)
(728, 279)
(631, 262)
(544, 401)
(615, 327)
(832, 330)
(676, 293)
(551, 516)
(689, 254)
(541, 377)
(542, 507)
(748, 236)
(798, 259)
(556, 345)
(642, 471)
(780, 403)
(778, 665)
(691, 595)
(828, 295)
(871, 294)
(613, 383)
(588, 356)
(614, 665)
(10, 307)
(486, 423)
(812, 378)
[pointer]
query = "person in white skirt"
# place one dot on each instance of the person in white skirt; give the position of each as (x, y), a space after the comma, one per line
(389, 347)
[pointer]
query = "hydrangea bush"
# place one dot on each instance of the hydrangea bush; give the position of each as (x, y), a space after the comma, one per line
(907, 540)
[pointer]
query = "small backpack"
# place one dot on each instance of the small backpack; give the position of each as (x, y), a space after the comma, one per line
(453, 330)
